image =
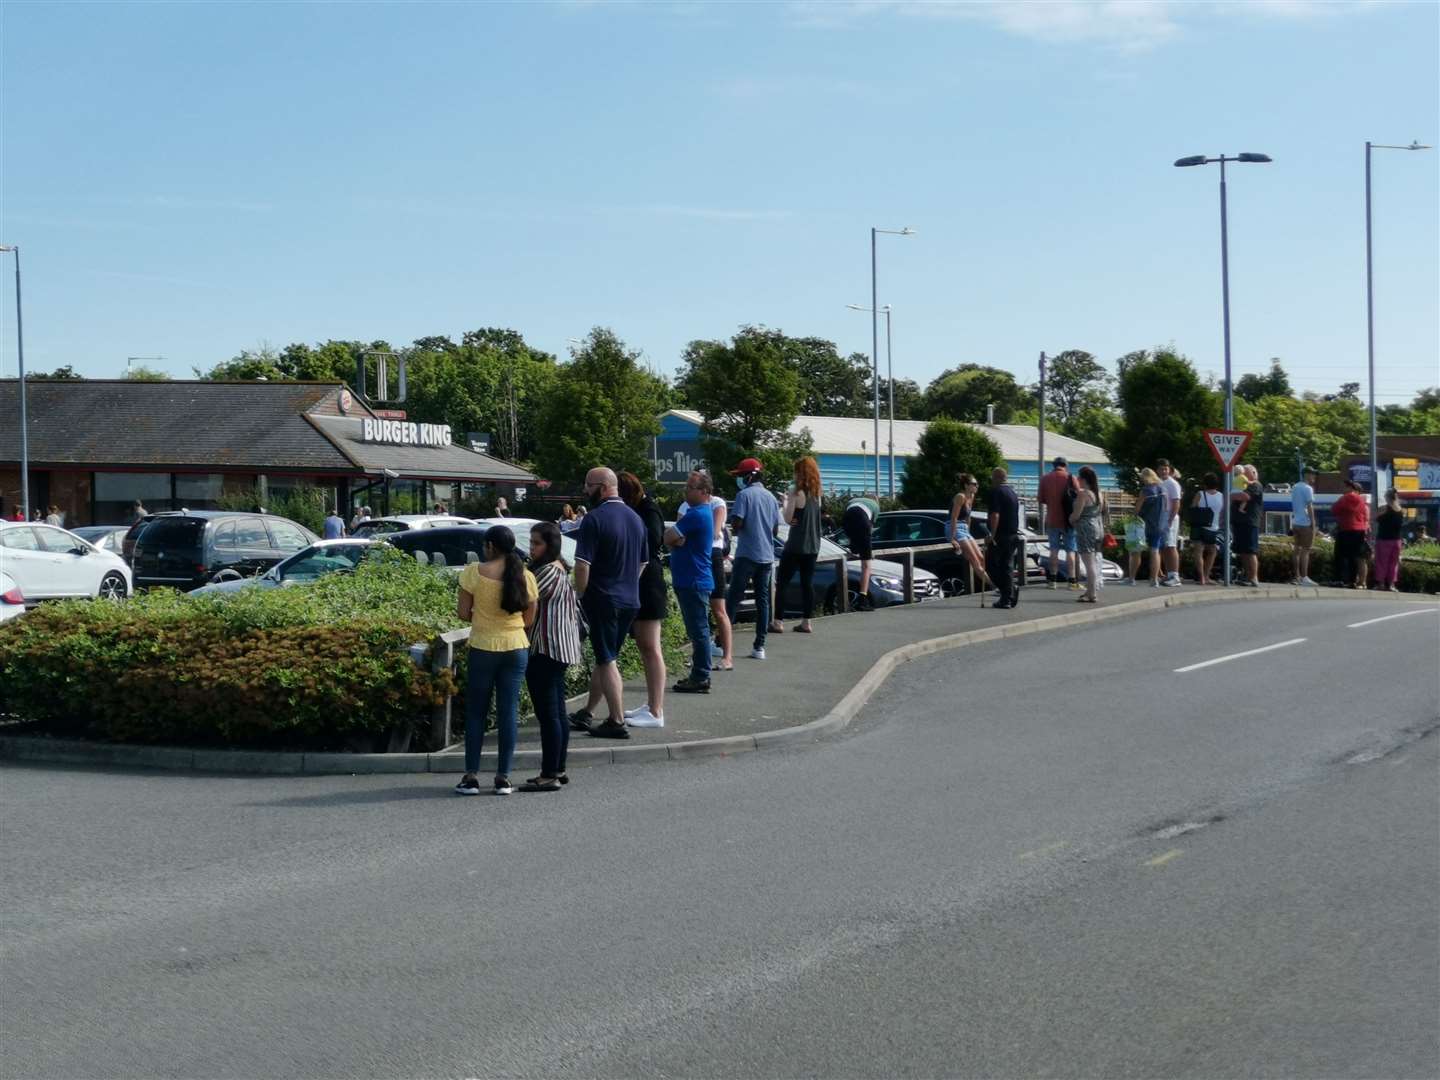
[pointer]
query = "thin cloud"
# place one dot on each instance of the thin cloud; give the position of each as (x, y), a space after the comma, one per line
(1123, 25)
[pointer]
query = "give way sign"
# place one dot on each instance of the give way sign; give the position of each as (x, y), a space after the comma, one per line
(1227, 446)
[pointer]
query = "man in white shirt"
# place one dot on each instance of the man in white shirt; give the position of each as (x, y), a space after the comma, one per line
(1170, 538)
(1302, 525)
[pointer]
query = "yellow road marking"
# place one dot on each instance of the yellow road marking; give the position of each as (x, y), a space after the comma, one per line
(1161, 860)
(1046, 850)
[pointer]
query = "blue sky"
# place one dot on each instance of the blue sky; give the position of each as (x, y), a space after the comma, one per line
(190, 180)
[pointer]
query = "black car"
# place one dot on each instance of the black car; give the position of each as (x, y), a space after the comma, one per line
(896, 530)
(188, 548)
(453, 545)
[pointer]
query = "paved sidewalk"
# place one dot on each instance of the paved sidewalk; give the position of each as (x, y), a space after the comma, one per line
(805, 676)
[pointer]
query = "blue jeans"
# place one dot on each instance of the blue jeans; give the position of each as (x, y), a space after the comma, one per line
(695, 610)
(741, 572)
(546, 678)
(496, 674)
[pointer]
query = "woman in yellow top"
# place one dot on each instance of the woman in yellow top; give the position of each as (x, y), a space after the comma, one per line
(497, 599)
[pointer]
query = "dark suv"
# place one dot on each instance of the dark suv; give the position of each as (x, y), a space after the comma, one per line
(186, 549)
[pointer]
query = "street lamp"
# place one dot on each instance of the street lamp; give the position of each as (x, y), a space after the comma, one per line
(1201, 159)
(1370, 322)
(20, 354)
(890, 387)
(875, 338)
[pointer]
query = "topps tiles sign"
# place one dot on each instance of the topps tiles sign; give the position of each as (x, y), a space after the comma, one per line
(404, 433)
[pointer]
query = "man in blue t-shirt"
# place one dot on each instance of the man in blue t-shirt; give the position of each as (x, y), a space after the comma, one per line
(755, 515)
(689, 541)
(610, 552)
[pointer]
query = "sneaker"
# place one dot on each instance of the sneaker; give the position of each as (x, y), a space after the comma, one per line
(643, 717)
(715, 649)
(502, 785)
(1050, 583)
(542, 783)
(1307, 582)
(1127, 581)
(468, 785)
(1171, 583)
(581, 719)
(690, 686)
(610, 729)
(757, 654)
(1074, 586)
(635, 711)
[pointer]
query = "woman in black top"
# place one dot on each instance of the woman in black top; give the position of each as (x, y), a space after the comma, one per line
(1387, 542)
(802, 544)
(654, 602)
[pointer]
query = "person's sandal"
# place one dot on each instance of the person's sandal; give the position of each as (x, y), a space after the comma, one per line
(776, 628)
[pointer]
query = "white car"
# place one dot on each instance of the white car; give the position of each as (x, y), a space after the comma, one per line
(378, 527)
(104, 537)
(320, 558)
(48, 563)
(12, 600)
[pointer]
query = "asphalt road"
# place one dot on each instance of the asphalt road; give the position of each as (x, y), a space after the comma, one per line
(1053, 855)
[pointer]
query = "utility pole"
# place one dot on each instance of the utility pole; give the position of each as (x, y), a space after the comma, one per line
(1040, 462)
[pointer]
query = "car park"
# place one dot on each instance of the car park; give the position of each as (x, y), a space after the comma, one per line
(399, 523)
(314, 562)
(188, 548)
(521, 528)
(47, 563)
(452, 546)
(12, 600)
(105, 537)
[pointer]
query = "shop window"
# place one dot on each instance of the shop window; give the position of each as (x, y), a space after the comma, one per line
(198, 491)
(115, 492)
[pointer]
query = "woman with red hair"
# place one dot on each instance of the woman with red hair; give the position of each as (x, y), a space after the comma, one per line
(802, 546)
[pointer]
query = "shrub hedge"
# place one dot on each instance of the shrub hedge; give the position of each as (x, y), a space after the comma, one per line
(321, 666)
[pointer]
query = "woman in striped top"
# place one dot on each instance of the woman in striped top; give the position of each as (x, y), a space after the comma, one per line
(554, 646)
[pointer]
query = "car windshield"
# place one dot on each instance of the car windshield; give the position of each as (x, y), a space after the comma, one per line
(380, 528)
(309, 565)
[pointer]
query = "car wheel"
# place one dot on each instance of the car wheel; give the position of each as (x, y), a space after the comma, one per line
(831, 603)
(955, 586)
(112, 586)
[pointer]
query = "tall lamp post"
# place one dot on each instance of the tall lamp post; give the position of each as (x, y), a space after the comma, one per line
(890, 387)
(1201, 159)
(1370, 323)
(875, 339)
(20, 354)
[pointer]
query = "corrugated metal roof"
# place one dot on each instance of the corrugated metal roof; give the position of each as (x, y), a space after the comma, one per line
(854, 435)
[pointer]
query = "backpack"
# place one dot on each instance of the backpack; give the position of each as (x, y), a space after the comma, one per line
(1067, 502)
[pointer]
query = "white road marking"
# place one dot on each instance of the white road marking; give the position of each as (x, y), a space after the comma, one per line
(1238, 655)
(1387, 618)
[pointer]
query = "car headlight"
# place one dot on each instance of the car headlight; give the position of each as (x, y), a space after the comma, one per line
(891, 583)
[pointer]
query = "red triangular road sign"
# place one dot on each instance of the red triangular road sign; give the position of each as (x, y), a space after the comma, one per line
(1227, 446)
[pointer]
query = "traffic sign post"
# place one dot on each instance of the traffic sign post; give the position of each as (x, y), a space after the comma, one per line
(1227, 446)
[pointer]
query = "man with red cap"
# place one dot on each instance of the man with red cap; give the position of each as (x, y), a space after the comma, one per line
(755, 517)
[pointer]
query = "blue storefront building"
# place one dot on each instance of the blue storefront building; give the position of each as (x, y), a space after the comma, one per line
(843, 446)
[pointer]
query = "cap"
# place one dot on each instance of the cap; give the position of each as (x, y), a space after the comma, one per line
(749, 465)
(1060, 463)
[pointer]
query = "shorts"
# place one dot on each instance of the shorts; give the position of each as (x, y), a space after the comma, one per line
(654, 598)
(1245, 540)
(1063, 538)
(1199, 534)
(962, 532)
(608, 625)
(1304, 535)
(717, 572)
(1155, 540)
(1172, 534)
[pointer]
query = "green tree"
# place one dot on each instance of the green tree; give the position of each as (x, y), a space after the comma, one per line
(247, 366)
(909, 400)
(1075, 382)
(947, 448)
(830, 384)
(602, 410)
(1274, 384)
(746, 392)
(1096, 426)
(1166, 410)
(65, 373)
(1420, 417)
(1288, 432)
(146, 374)
(964, 392)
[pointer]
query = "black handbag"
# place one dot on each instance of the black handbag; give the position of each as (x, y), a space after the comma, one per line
(1200, 517)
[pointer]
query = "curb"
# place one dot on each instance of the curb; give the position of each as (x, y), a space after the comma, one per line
(255, 762)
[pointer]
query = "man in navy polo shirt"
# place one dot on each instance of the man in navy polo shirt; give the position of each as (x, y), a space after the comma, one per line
(610, 552)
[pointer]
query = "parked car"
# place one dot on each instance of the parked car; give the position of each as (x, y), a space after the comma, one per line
(398, 523)
(186, 549)
(521, 528)
(12, 600)
(316, 561)
(887, 583)
(47, 563)
(104, 537)
(452, 546)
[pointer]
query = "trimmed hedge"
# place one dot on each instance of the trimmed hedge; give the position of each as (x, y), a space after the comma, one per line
(320, 666)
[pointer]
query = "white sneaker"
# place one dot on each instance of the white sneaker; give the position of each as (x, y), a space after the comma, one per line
(1171, 583)
(757, 654)
(643, 717)
(1307, 581)
(715, 649)
(635, 711)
